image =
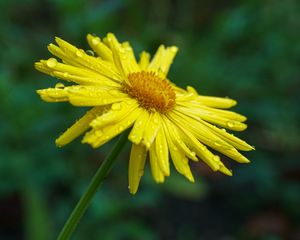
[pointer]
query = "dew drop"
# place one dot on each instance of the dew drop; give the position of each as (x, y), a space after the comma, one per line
(79, 53)
(51, 62)
(114, 92)
(230, 123)
(217, 144)
(66, 74)
(175, 149)
(116, 106)
(98, 133)
(203, 148)
(59, 85)
(216, 158)
(95, 41)
(155, 120)
(90, 53)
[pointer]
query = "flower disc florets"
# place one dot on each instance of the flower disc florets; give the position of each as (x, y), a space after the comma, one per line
(151, 91)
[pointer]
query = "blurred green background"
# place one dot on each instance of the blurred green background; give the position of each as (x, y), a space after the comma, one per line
(247, 50)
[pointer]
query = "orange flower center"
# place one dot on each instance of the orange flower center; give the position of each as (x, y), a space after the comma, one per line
(151, 91)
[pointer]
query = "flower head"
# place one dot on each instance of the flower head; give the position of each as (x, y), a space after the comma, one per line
(167, 121)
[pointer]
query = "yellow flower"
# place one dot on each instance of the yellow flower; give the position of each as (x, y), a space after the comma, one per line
(123, 93)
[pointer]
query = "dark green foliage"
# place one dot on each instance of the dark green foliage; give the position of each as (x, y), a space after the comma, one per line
(247, 50)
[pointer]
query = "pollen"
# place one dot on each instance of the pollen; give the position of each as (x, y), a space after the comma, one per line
(151, 91)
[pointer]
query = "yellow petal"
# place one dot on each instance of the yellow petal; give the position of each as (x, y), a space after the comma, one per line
(100, 48)
(123, 56)
(97, 137)
(144, 60)
(94, 95)
(71, 73)
(151, 129)
(78, 127)
(137, 132)
(230, 138)
(174, 134)
(116, 113)
(213, 118)
(198, 147)
(81, 58)
(162, 152)
(206, 136)
(53, 95)
(163, 59)
(137, 160)
(155, 168)
(178, 156)
(209, 101)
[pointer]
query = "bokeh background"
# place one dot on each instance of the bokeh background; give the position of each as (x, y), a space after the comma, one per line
(248, 50)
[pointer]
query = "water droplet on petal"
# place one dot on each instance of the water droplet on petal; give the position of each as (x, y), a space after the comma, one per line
(116, 106)
(95, 41)
(51, 62)
(175, 149)
(217, 143)
(66, 74)
(90, 53)
(203, 148)
(216, 158)
(230, 123)
(59, 85)
(79, 53)
(98, 133)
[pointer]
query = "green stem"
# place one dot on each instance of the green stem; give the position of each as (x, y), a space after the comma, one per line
(85, 200)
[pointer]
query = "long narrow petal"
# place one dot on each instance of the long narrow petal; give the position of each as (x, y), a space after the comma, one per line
(156, 171)
(178, 156)
(210, 159)
(137, 160)
(213, 118)
(98, 137)
(117, 112)
(79, 127)
(163, 59)
(151, 129)
(210, 101)
(71, 73)
(230, 138)
(123, 56)
(74, 54)
(206, 136)
(137, 132)
(179, 143)
(162, 152)
(94, 95)
(100, 48)
(144, 60)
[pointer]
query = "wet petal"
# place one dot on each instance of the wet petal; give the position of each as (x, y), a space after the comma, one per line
(156, 171)
(137, 160)
(79, 127)
(100, 48)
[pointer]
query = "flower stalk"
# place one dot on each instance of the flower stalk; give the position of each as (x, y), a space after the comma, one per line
(97, 180)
